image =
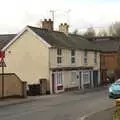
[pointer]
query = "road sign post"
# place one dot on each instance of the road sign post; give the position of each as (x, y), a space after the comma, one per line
(2, 55)
(2, 78)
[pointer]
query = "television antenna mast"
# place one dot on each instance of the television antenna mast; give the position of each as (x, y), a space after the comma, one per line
(53, 16)
(68, 17)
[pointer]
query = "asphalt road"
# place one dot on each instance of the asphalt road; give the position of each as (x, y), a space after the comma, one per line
(67, 106)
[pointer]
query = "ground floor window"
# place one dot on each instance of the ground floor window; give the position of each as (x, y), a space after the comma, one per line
(86, 77)
(59, 78)
(73, 76)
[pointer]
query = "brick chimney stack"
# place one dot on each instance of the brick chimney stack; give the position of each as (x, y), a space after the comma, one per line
(47, 24)
(64, 28)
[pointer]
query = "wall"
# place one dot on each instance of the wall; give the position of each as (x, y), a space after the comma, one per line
(108, 60)
(13, 86)
(67, 80)
(66, 62)
(79, 57)
(28, 58)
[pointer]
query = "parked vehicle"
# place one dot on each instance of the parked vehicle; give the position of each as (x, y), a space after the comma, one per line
(114, 89)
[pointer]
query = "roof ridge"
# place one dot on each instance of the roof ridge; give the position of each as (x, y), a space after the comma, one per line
(44, 29)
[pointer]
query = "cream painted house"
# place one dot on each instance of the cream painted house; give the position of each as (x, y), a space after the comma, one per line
(66, 61)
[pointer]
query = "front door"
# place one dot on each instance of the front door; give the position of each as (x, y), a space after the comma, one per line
(53, 83)
(86, 79)
(80, 79)
(59, 81)
(95, 78)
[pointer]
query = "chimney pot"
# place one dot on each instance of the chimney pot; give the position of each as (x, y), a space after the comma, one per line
(47, 24)
(63, 28)
(45, 20)
(49, 19)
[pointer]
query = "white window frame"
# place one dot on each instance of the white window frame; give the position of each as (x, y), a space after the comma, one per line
(95, 57)
(59, 56)
(73, 56)
(86, 57)
(86, 77)
(73, 77)
(59, 78)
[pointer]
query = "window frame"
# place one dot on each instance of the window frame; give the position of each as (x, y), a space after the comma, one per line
(73, 56)
(73, 76)
(59, 59)
(72, 52)
(86, 57)
(59, 76)
(95, 57)
(59, 51)
(59, 55)
(86, 76)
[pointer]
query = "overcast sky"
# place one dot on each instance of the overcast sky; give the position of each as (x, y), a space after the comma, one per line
(16, 14)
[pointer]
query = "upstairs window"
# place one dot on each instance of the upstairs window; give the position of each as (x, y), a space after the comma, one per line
(59, 55)
(95, 57)
(72, 52)
(86, 57)
(72, 56)
(59, 51)
(59, 59)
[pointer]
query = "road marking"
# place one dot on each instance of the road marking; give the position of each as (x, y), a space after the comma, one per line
(89, 114)
(83, 118)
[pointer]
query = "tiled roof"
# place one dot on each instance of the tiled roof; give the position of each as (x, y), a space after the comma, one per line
(61, 40)
(5, 39)
(107, 44)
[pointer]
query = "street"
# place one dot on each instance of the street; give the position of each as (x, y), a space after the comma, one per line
(66, 106)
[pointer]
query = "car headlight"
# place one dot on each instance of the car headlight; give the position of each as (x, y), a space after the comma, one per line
(110, 90)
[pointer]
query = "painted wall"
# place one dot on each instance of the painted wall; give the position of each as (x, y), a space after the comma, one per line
(66, 62)
(13, 86)
(68, 83)
(79, 57)
(28, 58)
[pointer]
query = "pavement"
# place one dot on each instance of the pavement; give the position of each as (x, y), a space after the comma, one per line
(106, 114)
(8, 102)
(15, 101)
(59, 107)
(91, 90)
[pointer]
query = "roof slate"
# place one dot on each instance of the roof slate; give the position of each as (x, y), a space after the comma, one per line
(5, 39)
(107, 44)
(61, 40)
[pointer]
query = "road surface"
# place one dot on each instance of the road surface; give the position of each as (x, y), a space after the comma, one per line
(66, 106)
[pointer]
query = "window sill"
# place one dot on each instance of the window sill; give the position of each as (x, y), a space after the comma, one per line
(73, 83)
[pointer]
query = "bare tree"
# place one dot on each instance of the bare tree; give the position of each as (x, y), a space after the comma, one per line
(114, 29)
(103, 32)
(75, 31)
(90, 32)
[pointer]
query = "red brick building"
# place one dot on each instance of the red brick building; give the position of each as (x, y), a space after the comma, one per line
(109, 56)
